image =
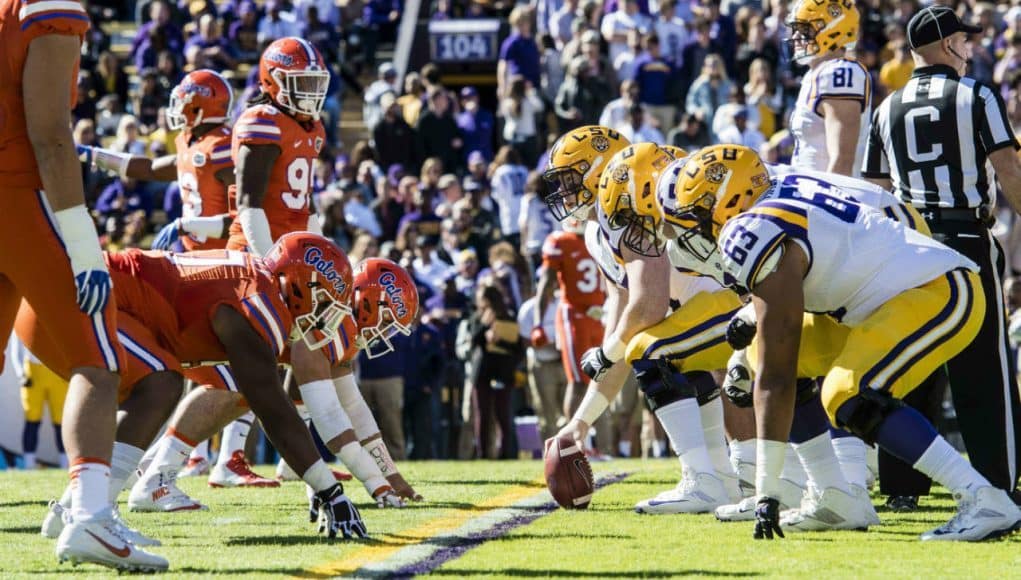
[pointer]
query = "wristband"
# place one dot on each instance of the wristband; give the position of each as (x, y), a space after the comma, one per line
(319, 476)
(591, 407)
(769, 457)
(203, 226)
(614, 349)
(111, 161)
(377, 449)
(81, 242)
(256, 229)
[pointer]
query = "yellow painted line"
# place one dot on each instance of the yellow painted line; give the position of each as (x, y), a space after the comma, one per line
(440, 525)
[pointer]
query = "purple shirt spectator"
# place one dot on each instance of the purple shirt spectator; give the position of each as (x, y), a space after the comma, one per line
(476, 124)
(522, 57)
(377, 12)
(122, 197)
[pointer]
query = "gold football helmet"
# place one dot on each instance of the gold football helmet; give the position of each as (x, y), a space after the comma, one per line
(627, 196)
(819, 27)
(712, 186)
(576, 163)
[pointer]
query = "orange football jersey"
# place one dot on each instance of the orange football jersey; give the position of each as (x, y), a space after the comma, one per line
(175, 296)
(290, 183)
(577, 273)
(21, 21)
(202, 194)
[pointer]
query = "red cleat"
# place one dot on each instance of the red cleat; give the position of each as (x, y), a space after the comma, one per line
(238, 473)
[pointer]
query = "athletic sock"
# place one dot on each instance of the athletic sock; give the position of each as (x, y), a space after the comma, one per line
(234, 437)
(742, 459)
(201, 451)
(90, 488)
(28, 459)
(946, 466)
(29, 443)
(820, 463)
(171, 454)
(123, 464)
(711, 415)
(851, 454)
(792, 469)
(683, 425)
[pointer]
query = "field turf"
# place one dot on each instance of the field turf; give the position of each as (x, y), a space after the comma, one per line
(495, 519)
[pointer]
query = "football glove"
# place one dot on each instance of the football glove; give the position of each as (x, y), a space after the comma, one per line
(738, 386)
(767, 519)
(595, 363)
(740, 333)
(539, 338)
(387, 497)
(338, 514)
(169, 234)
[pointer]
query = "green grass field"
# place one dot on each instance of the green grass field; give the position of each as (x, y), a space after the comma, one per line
(491, 519)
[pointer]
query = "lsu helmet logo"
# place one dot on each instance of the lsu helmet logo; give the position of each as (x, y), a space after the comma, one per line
(387, 282)
(715, 173)
(314, 258)
(620, 173)
(600, 143)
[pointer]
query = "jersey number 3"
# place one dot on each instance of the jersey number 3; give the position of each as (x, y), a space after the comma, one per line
(299, 179)
(589, 280)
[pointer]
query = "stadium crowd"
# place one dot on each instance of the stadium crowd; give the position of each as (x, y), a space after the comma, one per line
(452, 190)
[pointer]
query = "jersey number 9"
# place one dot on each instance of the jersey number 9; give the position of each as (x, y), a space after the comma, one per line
(299, 179)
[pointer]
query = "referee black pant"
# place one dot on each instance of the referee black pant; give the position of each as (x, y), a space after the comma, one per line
(982, 379)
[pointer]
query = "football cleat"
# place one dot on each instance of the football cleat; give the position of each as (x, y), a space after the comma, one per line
(238, 473)
(160, 494)
(746, 477)
(732, 485)
(868, 510)
(195, 466)
(131, 534)
(56, 518)
(902, 503)
(982, 514)
(742, 511)
(102, 540)
(698, 494)
(790, 492)
(830, 509)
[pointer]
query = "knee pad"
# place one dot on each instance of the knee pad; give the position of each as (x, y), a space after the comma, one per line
(808, 390)
(864, 413)
(661, 383)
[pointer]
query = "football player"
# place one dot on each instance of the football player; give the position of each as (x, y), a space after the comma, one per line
(203, 168)
(189, 310)
(577, 162)
(898, 305)
(52, 259)
(831, 115)
(385, 299)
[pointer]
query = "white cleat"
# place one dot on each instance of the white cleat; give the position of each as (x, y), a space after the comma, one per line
(742, 511)
(699, 494)
(790, 492)
(830, 509)
(160, 494)
(194, 467)
(746, 478)
(131, 534)
(861, 496)
(732, 485)
(983, 514)
(55, 520)
(101, 540)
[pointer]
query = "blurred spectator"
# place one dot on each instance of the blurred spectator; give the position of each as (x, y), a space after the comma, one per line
(494, 355)
(507, 177)
(581, 98)
(168, 33)
(357, 213)
(739, 133)
(617, 24)
(85, 105)
(722, 30)
(449, 189)
(579, 34)
(672, 32)
(122, 197)
(244, 32)
(519, 110)
(428, 265)
(654, 76)
(209, 49)
(761, 93)
(561, 23)
(327, 12)
(503, 272)
(897, 71)
(109, 112)
(321, 33)
(379, 19)
(385, 82)
(757, 46)
(552, 71)
(150, 49)
(389, 207)
(169, 71)
(92, 178)
(476, 123)
(163, 137)
(478, 170)
(710, 90)
(519, 54)
(437, 132)
(637, 129)
(110, 78)
(412, 99)
(334, 224)
(148, 101)
(381, 381)
(430, 178)
(364, 246)
(624, 64)
(127, 140)
(535, 222)
(690, 134)
(467, 264)
(544, 13)
(392, 138)
(277, 23)
(423, 375)
(696, 52)
(547, 382)
(483, 225)
(421, 218)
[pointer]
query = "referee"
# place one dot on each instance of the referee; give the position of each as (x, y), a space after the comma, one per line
(936, 142)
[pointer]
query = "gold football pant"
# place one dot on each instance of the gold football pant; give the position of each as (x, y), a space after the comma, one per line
(694, 336)
(47, 389)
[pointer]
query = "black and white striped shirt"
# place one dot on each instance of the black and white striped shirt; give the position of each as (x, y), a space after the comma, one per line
(933, 138)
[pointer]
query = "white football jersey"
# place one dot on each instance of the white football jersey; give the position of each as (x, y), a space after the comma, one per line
(858, 258)
(838, 78)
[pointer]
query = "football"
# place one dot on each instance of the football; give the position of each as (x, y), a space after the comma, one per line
(568, 473)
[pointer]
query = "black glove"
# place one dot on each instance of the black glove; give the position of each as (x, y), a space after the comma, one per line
(739, 333)
(338, 514)
(594, 363)
(767, 519)
(738, 386)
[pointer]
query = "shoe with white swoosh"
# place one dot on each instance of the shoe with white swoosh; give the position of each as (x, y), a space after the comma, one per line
(982, 514)
(101, 540)
(698, 494)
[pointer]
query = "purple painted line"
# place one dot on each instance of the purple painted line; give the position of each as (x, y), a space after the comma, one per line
(458, 546)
